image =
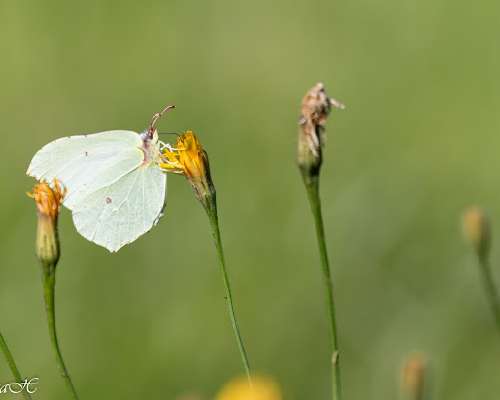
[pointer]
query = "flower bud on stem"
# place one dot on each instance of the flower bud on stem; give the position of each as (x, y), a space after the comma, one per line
(477, 231)
(316, 106)
(48, 201)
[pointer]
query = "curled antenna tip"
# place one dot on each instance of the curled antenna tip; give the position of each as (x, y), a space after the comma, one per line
(157, 116)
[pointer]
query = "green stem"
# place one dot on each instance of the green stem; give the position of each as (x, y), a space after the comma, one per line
(210, 206)
(490, 289)
(12, 365)
(416, 393)
(49, 282)
(312, 186)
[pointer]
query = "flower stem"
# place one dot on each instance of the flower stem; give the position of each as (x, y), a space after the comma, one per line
(415, 394)
(210, 206)
(490, 289)
(12, 364)
(312, 187)
(49, 282)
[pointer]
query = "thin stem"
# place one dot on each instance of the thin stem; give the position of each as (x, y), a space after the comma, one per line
(211, 208)
(49, 282)
(416, 393)
(490, 289)
(312, 186)
(12, 365)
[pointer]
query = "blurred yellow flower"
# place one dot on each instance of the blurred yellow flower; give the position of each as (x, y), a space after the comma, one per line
(477, 230)
(413, 374)
(262, 388)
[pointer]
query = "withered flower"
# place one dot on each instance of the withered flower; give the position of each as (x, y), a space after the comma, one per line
(315, 108)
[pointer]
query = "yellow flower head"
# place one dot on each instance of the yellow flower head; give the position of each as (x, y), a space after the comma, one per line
(48, 200)
(239, 389)
(189, 159)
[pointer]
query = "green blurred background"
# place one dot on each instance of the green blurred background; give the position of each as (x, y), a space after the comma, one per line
(418, 142)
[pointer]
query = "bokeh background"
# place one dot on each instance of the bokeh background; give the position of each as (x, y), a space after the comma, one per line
(418, 142)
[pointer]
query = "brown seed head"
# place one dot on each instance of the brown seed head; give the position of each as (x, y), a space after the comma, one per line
(315, 108)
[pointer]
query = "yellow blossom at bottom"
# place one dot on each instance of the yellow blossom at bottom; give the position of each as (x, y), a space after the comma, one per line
(262, 388)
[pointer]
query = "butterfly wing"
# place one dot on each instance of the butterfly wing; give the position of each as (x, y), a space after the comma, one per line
(86, 163)
(121, 212)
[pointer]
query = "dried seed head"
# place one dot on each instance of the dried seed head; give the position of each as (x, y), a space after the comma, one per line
(315, 108)
(477, 231)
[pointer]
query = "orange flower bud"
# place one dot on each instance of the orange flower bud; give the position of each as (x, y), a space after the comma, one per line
(48, 202)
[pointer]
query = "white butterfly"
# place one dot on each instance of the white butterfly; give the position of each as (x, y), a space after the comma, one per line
(115, 187)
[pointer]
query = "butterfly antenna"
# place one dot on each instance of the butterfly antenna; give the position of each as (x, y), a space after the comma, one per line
(156, 117)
